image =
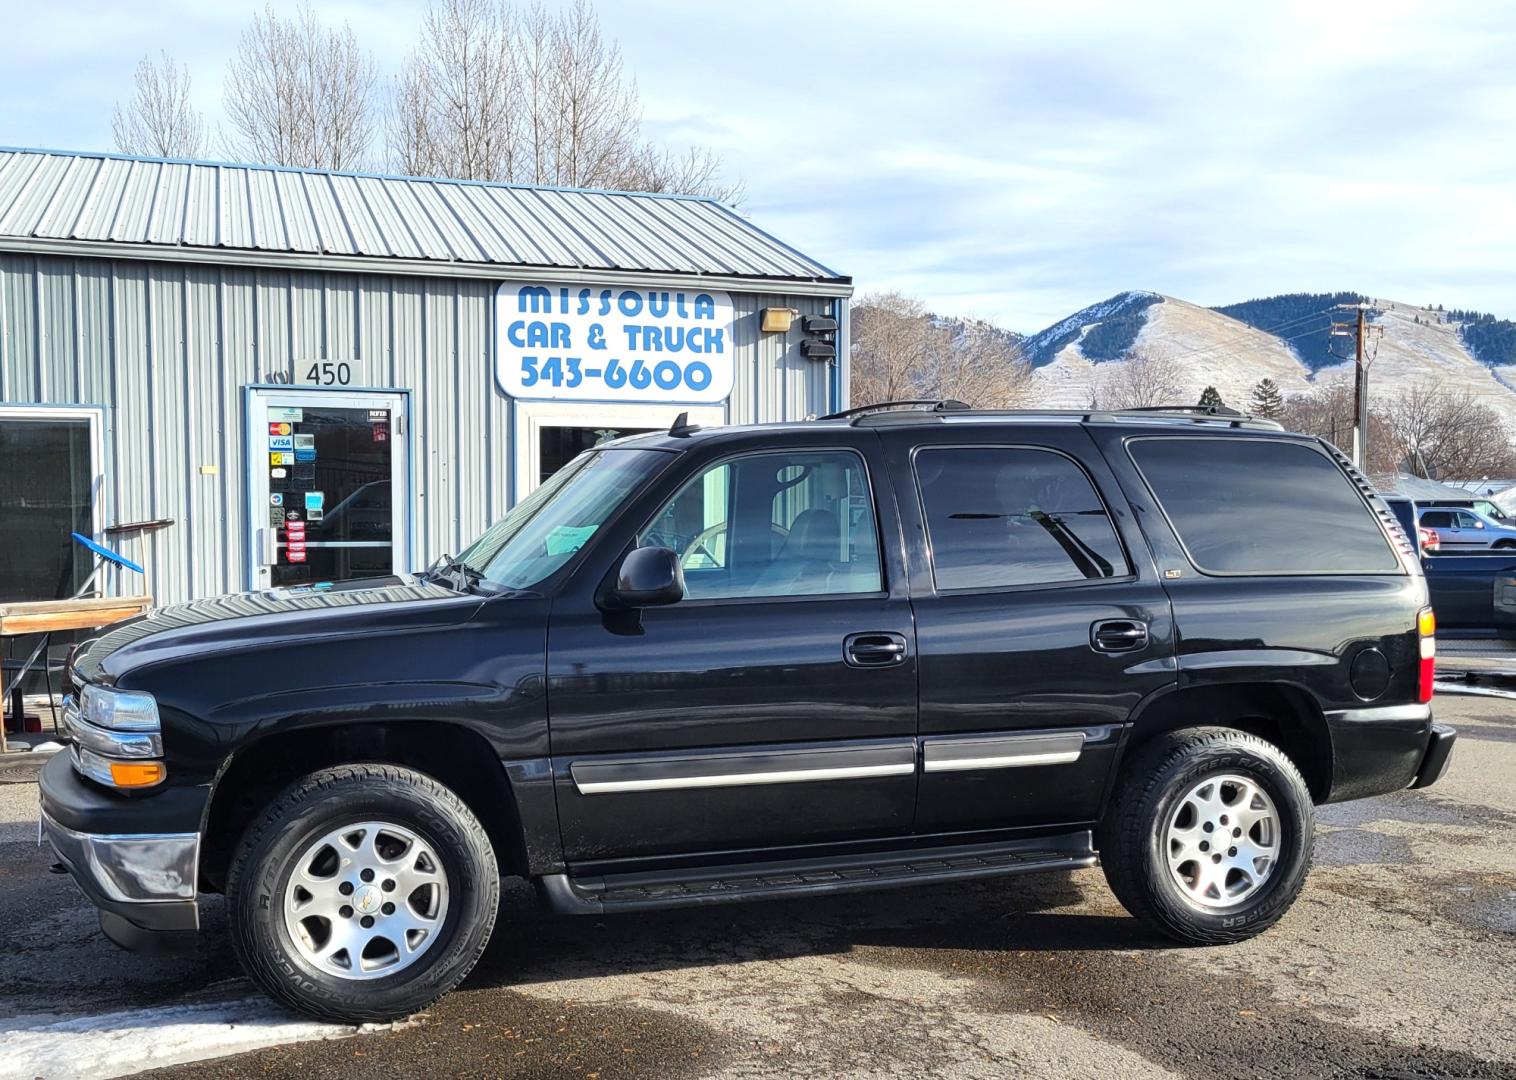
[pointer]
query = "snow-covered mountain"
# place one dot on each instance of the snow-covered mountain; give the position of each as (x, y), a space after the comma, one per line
(1206, 347)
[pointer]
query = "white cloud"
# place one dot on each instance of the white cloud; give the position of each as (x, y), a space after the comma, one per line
(1016, 160)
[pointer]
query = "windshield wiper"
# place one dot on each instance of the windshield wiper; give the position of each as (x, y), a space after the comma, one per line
(451, 572)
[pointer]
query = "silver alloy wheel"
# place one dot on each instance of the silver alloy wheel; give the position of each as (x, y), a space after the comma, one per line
(366, 900)
(1223, 841)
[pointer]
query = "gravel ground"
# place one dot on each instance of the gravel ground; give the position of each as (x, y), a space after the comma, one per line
(1397, 962)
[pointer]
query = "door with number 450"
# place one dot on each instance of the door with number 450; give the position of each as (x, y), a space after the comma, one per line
(328, 486)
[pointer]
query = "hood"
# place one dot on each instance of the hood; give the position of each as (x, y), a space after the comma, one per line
(241, 619)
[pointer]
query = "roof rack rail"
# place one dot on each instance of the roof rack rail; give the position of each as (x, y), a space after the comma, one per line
(938, 405)
(1204, 410)
(1189, 414)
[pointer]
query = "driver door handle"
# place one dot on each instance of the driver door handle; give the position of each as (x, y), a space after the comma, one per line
(874, 648)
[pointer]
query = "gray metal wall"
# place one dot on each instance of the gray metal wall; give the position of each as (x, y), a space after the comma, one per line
(168, 348)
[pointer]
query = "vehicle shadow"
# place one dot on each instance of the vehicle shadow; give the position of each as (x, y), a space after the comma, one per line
(1047, 913)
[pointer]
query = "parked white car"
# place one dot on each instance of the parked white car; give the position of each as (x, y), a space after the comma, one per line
(1458, 530)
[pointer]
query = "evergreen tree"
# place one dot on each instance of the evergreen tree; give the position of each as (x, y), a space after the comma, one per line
(1211, 397)
(1268, 402)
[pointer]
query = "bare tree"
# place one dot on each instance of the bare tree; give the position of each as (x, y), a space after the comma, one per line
(1143, 381)
(158, 120)
(1327, 413)
(900, 351)
(1446, 434)
(300, 93)
(453, 113)
(535, 96)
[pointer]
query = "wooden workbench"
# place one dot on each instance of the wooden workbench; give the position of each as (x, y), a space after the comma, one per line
(47, 616)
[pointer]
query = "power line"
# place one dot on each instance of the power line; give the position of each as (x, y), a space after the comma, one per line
(1271, 330)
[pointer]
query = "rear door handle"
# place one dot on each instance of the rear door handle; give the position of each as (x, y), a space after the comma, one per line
(874, 648)
(1118, 635)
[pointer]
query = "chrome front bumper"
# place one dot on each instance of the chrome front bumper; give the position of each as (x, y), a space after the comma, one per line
(143, 884)
(128, 868)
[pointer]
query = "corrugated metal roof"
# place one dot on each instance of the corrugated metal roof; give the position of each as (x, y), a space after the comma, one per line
(160, 203)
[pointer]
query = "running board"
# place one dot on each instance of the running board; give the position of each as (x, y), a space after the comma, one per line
(737, 882)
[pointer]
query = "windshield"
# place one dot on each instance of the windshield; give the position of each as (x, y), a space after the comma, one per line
(543, 531)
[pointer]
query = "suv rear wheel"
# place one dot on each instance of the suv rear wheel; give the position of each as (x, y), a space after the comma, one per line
(362, 893)
(1210, 835)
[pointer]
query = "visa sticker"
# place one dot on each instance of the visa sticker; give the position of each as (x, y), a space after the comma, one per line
(281, 442)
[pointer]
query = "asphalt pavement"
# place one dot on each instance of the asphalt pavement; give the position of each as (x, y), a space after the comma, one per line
(1398, 962)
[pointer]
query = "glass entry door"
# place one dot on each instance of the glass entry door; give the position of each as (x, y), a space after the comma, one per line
(329, 486)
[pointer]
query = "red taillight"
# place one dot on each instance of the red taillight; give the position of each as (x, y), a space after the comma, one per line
(1426, 626)
(1429, 540)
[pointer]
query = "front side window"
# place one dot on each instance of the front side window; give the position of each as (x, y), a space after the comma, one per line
(546, 529)
(1262, 506)
(1004, 516)
(773, 524)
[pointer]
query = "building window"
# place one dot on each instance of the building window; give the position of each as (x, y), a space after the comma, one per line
(49, 479)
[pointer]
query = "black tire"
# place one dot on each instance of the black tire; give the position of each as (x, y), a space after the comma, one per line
(319, 803)
(1132, 836)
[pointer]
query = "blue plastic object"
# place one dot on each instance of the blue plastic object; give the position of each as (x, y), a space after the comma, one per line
(107, 554)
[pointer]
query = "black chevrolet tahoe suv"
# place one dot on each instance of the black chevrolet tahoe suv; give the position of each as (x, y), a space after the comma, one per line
(888, 647)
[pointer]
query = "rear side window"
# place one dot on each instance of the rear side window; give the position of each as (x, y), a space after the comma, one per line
(1261, 506)
(1437, 519)
(1003, 516)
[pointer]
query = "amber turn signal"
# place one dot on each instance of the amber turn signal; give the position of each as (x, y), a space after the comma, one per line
(136, 774)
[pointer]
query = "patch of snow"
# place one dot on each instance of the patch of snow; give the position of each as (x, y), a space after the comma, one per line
(122, 1043)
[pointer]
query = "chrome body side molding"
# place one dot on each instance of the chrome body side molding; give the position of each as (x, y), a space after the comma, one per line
(743, 768)
(1010, 751)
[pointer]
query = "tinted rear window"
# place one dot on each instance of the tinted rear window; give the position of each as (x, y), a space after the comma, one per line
(1262, 506)
(1003, 516)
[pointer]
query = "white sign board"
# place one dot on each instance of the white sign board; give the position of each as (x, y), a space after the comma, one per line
(575, 343)
(329, 373)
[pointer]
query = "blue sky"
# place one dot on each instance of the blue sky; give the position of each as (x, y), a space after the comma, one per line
(1005, 160)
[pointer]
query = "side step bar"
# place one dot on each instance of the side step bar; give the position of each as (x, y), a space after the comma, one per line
(739, 882)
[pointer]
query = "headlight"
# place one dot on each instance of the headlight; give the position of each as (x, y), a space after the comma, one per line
(120, 710)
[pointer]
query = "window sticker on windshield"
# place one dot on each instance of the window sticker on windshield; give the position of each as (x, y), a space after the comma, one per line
(567, 539)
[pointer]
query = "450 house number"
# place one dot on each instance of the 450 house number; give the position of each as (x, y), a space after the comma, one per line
(328, 373)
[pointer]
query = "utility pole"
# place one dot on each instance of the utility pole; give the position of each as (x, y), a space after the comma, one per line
(1359, 329)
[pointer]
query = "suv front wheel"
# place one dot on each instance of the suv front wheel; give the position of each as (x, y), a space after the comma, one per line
(362, 893)
(1209, 837)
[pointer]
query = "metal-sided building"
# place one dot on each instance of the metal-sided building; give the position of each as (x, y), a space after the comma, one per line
(319, 375)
